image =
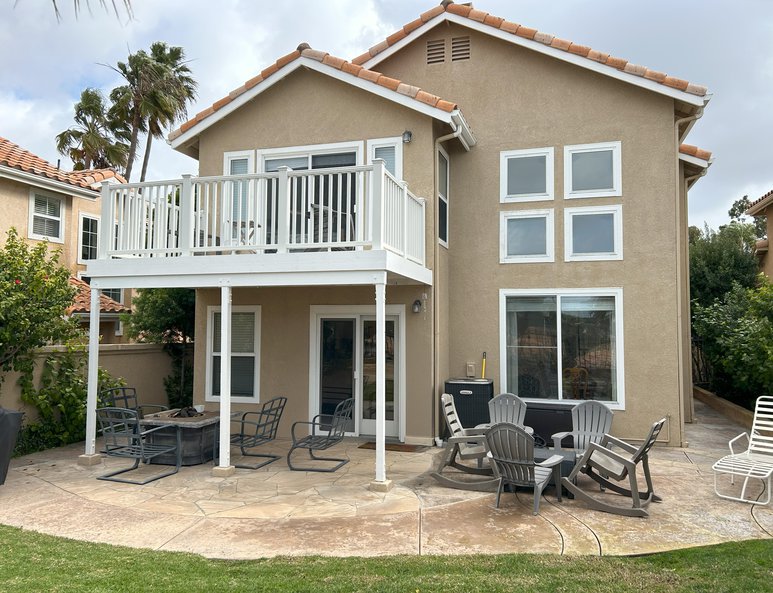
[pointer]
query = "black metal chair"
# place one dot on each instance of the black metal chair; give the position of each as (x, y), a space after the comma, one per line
(323, 436)
(258, 428)
(126, 397)
(124, 437)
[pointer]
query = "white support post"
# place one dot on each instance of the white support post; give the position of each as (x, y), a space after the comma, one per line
(90, 456)
(381, 483)
(283, 211)
(185, 221)
(377, 204)
(106, 224)
(404, 246)
(224, 467)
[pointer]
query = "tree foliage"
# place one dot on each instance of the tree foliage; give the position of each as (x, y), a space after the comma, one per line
(718, 259)
(34, 295)
(737, 213)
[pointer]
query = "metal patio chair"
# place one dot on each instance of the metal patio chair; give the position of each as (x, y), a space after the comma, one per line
(324, 434)
(591, 420)
(608, 467)
(258, 428)
(464, 444)
(511, 452)
(125, 437)
(126, 397)
(756, 462)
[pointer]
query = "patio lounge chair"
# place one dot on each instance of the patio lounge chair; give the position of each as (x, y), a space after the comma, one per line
(608, 467)
(258, 428)
(507, 407)
(124, 437)
(463, 444)
(126, 397)
(756, 462)
(511, 451)
(591, 420)
(324, 434)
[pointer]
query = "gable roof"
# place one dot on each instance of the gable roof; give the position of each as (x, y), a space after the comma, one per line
(390, 88)
(14, 156)
(760, 204)
(82, 300)
(466, 15)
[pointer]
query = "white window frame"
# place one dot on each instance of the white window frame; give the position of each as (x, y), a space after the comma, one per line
(211, 310)
(62, 207)
(549, 255)
(506, 155)
(237, 155)
(617, 226)
(264, 154)
(444, 198)
(81, 217)
(397, 142)
(617, 170)
(616, 292)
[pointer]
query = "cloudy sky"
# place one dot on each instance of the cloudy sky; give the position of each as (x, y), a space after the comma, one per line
(724, 45)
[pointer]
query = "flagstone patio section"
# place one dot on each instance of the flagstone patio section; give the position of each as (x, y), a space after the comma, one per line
(273, 511)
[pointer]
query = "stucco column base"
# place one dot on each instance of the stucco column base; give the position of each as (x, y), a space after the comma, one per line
(89, 460)
(223, 472)
(377, 486)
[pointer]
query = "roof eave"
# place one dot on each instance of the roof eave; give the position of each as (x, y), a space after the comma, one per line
(185, 142)
(758, 208)
(689, 98)
(47, 183)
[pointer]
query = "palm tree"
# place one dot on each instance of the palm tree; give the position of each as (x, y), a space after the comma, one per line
(127, 5)
(175, 91)
(97, 141)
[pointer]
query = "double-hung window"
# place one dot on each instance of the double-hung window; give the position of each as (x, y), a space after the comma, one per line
(245, 353)
(526, 175)
(46, 221)
(390, 150)
(88, 238)
(593, 233)
(561, 344)
(526, 236)
(593, 170)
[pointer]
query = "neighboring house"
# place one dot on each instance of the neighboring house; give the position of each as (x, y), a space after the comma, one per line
(501, 189)
(764, 207)
(62, 207)
(110, 312)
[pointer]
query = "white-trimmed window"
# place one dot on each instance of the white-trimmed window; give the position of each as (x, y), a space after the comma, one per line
(442, 196)
(88, 238)
(245, 354)
(526, 175)
(46, 219)
(593, 233)
(391, 151)
(526, 236)
(593, 170)
(563, 344)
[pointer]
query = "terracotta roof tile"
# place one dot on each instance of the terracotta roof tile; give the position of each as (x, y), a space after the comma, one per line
(14, 156)
(329, 60)
(760, 203)
(82, 300)
(691, 150)
(466, 11)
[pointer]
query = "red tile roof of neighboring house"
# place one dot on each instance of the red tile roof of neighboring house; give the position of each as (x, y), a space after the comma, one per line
(339, 64)
(467, 11)
(14, 156)
(82, 300)
(698, 153)
(758, 205)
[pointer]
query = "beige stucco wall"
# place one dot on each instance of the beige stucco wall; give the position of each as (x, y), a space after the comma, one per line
(515, 99)
(142, 366)
(766, 261)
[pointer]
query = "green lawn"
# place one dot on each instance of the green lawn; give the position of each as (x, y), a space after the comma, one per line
(30, 562)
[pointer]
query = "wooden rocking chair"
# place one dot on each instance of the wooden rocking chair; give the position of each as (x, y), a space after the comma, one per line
(609, 467)
(464, 444)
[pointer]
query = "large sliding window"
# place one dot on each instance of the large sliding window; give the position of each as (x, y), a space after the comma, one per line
(563, 344)
(245, 353)
(442, 197)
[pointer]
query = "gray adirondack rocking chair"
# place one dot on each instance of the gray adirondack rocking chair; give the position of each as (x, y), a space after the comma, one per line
(591, 420)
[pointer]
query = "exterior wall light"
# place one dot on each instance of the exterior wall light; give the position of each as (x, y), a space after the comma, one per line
(407, 136)
(416, 307)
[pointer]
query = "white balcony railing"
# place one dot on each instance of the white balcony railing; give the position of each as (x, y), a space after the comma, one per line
(346, 208)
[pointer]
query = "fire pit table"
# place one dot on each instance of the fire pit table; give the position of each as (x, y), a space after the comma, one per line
(198, 435)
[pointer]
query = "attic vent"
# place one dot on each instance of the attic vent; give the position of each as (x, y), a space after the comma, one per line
(436, 51)
(460, 48)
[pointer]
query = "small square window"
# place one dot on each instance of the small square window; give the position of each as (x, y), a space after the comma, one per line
(526, 175)
(592, 170)
(46, 219)
(526, 236)
(593, 233)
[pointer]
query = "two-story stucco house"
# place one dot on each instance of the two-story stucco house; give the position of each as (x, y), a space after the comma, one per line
(367, 228)
(763, 206)
(43, 202)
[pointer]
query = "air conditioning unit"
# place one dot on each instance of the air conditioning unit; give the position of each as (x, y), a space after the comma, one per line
(471, 397)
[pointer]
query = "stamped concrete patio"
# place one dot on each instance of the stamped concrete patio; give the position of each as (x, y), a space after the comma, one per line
(274, 511)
